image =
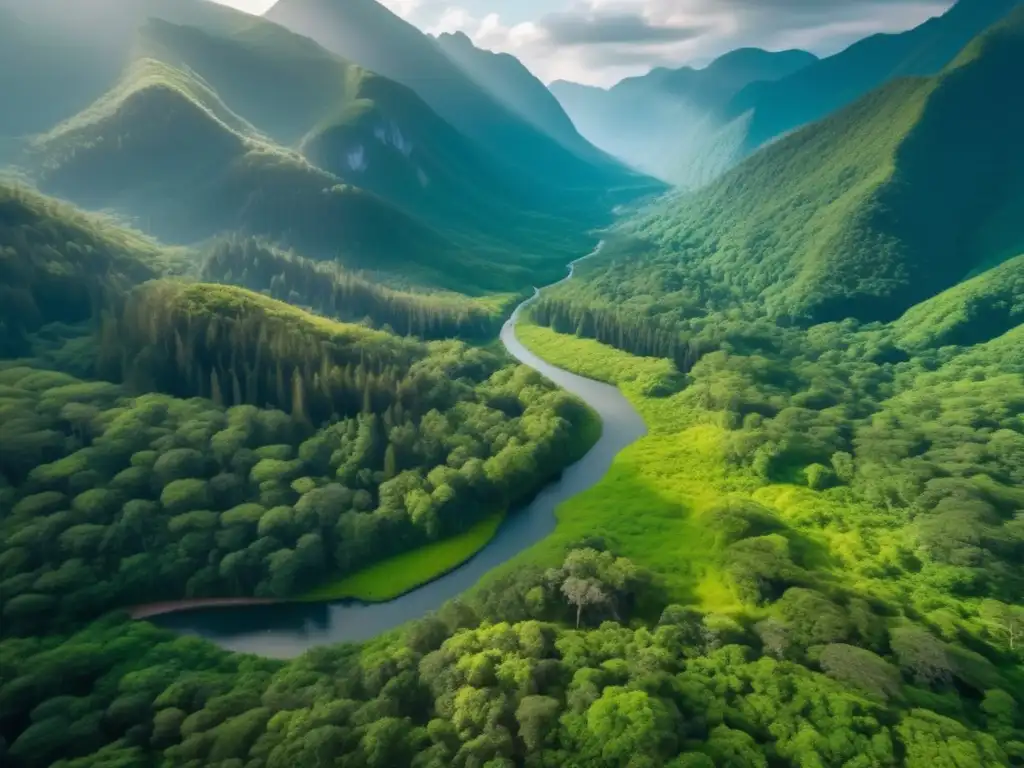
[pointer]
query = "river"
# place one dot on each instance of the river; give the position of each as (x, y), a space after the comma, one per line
(285, 630)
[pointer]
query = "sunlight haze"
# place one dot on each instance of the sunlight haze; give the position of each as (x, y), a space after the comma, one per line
(599, 42)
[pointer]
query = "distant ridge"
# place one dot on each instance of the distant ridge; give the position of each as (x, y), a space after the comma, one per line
(652, 120)
(876, 208)
(515, 86)
(367, 33)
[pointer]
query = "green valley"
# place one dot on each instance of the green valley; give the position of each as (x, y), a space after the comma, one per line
(312, 454)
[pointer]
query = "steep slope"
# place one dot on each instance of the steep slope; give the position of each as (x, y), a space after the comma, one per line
(975, 311)
(365, 32)
(516, 87)
(58, 264)
(655, 120)
(163, 147)
(874, 209)
(818, 90)
(363, 128)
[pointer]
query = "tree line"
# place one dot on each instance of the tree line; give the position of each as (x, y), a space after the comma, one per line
(629, 332)
(334, 292)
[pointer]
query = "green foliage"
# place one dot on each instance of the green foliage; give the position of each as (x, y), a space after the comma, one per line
(852, 216)
(402, 573)
(159, 498)
(526, 693)
(349, 297)
(380, 41)
(59, 265)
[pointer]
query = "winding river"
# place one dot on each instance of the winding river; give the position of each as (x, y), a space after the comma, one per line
(285, 630)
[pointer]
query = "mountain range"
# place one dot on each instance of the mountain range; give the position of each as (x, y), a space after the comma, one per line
(900, 195)
(653, 120)
(695, 139)
(256, 277)
(218, 121)
(366, 32)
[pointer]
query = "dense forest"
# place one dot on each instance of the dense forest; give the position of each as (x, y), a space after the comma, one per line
(351, 297)
(270, 366)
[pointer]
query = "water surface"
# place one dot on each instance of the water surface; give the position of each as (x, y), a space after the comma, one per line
(285, 630)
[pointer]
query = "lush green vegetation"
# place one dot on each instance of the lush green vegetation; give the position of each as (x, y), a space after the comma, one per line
(369, 33)
(891, 499)
(397, 575)
(813, 558)
(59, 265)
(850, 217)
(689, 691)
(849, 491)
(353, 297)
(389, 444)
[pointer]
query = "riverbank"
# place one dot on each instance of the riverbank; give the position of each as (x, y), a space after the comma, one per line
(287, 629)
(151, 610)
(398, 575)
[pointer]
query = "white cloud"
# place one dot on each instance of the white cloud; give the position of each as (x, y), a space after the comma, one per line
(601, 41)
(403, 8)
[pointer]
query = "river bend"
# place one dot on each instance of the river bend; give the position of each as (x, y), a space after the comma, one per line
(285, 630)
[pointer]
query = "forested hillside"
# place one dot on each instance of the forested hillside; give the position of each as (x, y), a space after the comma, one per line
(852, 488)
(690, 126)
(60, 265)
(366, 32)
(218, 122)
(515, 86)
(834, 82)
(194, 409)
(164, 147)
(863, 214)
(284, 391)
(369, 130)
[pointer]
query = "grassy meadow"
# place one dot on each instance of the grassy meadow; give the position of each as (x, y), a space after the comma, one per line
(397, 575)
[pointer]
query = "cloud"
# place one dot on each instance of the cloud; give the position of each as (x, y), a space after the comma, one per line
(403, 8)
(599, 29)
(602, 41)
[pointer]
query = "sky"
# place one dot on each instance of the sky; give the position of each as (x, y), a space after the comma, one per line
(599, 42)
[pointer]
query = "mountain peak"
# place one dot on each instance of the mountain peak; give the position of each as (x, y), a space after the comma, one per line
(456, 37)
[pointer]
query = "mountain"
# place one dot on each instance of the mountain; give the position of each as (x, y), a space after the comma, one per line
(163, 147)
(248, 127)
(651, 121)
(723, 77)
(889, 201)
(371, 131)
(366, 33)
(771, 109)
(504, 76)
